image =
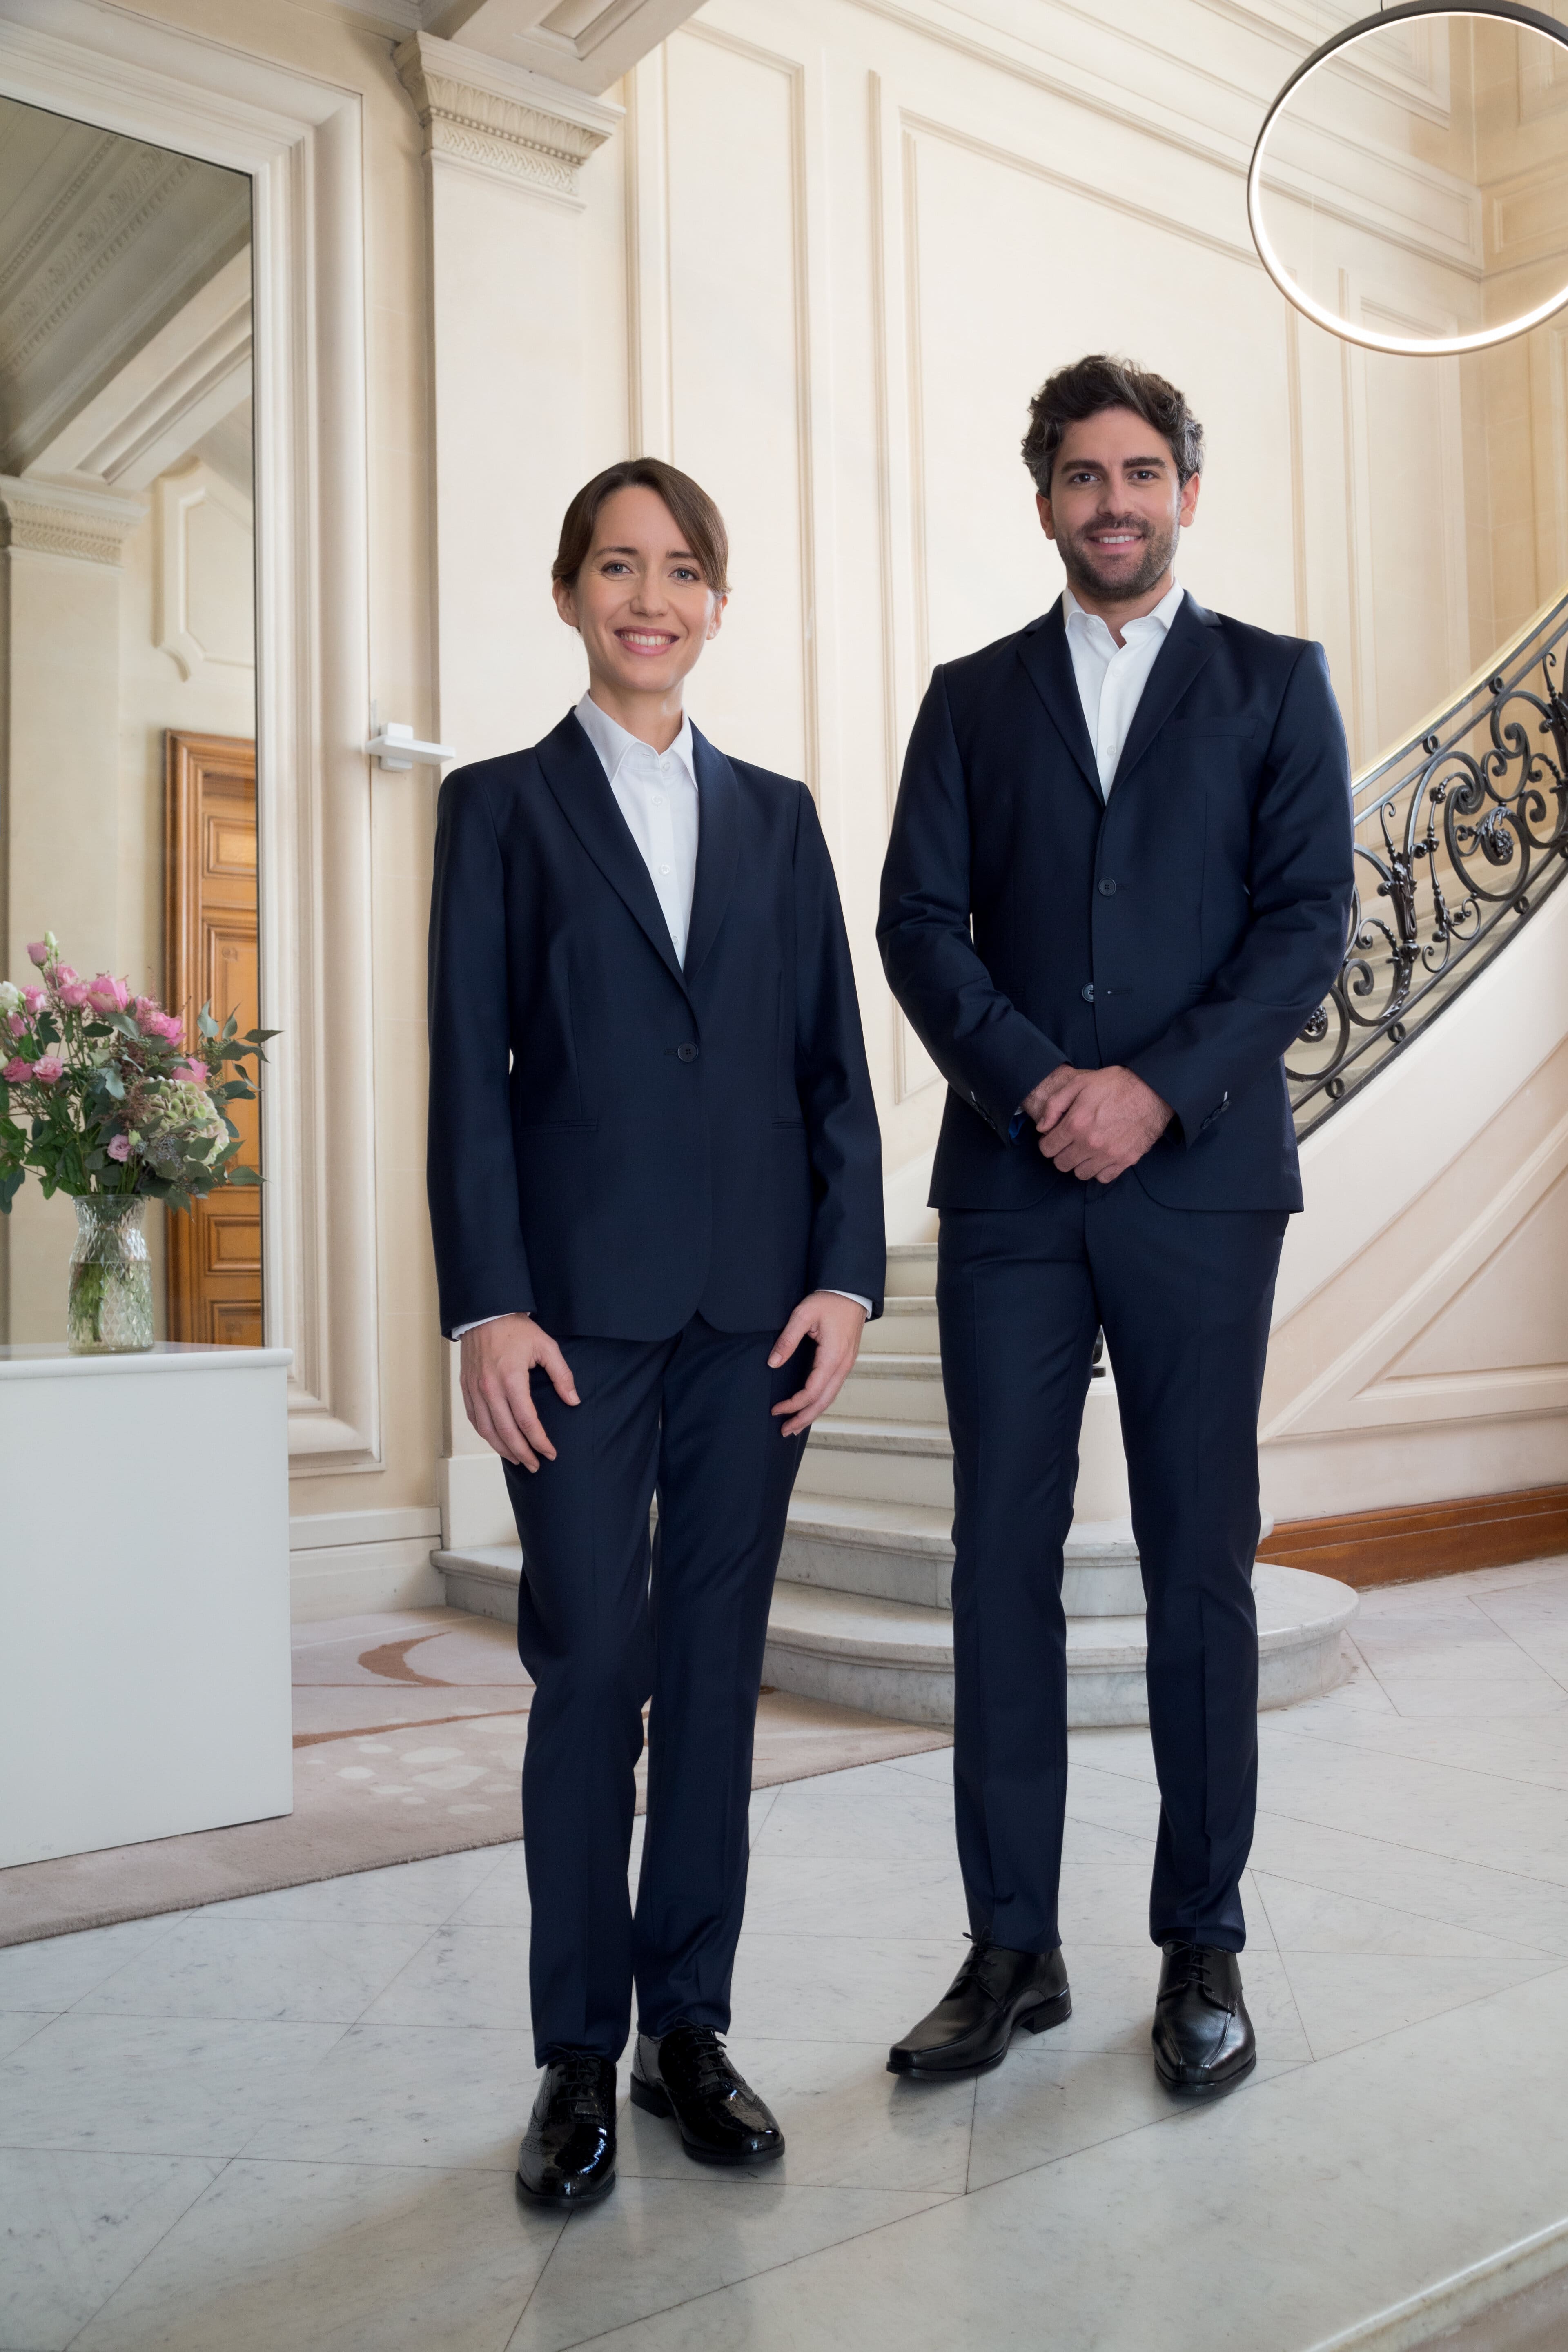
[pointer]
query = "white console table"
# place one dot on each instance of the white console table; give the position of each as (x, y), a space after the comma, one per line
(144, 1670)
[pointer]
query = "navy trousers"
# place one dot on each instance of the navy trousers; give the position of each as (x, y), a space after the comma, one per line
(606, 1621)
(1184, 1298)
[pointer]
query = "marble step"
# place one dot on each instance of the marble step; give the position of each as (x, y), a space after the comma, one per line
(887, 1387)
(888, 1658)
(906, 1327)
(903, 1551)
(879, 1461)
(911, 1270)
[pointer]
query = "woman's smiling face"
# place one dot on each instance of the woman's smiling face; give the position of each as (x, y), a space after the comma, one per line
(640, 601)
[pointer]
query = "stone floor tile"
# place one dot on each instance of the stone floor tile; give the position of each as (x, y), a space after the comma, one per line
(73, 2226)
(1347, 1998)
(155, 2085)
(839, 1989)
(873, 1814)
(654, 2244)
(58, 1970)
(1316, 2198)
(299, 1969)
(1309, 1919)
(19, 2025)
(1047, 2103)
(461, 1976)
(414, 1894)
(847, 2123)
(357, 2258)
(1513, 1904)
(801, 1894)
(453, 2098)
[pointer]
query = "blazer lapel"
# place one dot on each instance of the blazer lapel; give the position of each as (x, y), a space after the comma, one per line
(575, 775)
(1189, 644)
(1043, 649)
(718, 848)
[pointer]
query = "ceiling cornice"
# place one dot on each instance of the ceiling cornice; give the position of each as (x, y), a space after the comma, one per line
(501, 119)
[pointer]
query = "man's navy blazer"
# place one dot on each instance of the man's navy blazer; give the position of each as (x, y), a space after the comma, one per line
(1186, 929)
(616, 1142)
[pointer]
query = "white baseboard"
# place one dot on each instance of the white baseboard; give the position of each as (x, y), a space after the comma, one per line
(353, 1563)
(475, 1505)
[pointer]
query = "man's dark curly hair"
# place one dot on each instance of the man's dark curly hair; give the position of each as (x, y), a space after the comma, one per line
(1099, 383)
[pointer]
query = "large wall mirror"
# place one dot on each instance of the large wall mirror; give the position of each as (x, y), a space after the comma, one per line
(128, 808)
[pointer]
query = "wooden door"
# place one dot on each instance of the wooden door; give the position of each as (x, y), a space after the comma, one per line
(210, 936)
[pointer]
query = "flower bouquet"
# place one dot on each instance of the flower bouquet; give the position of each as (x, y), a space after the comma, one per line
(119, 1113)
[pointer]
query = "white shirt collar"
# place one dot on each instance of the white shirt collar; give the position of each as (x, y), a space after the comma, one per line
(614, 745)
(1163, 614)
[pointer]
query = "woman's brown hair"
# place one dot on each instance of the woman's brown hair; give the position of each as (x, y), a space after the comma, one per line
(697, 518)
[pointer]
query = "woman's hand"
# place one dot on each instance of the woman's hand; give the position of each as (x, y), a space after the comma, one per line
(497, 1359)
(835, 1324)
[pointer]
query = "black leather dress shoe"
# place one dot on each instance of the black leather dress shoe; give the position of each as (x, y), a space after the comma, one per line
(686, 2075)
(1204, 2041)
(968, 2031)
(568, 2152)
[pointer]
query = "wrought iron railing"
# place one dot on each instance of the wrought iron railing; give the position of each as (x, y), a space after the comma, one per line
(1461, 835)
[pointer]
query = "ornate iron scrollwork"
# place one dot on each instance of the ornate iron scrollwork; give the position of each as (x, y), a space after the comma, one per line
(1461, 834)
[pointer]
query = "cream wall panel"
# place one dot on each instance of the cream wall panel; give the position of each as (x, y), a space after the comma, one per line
(737, 379)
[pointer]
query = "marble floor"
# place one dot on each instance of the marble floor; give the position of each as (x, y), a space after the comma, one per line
(290, 2121)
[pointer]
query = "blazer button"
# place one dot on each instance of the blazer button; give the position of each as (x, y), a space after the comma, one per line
(1087, 991)
(1108, 888)
(686, 1053)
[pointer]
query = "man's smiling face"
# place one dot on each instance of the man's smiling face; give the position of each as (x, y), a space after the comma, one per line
(1116, 507)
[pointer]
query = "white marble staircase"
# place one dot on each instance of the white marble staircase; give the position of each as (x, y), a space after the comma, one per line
(862, 1612)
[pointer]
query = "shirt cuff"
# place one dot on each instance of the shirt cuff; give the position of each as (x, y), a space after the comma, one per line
(458, 1329)
(864, 1304)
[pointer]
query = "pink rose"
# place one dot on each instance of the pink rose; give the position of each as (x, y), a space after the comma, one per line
(38, 952)
(34, 1000)
(17, 1072)
(120, 1148)
(48, 1071)
(156, 1023)
(108, 994)
(16, 1025)
(65, 975)
(75, 995)
(190, 1072)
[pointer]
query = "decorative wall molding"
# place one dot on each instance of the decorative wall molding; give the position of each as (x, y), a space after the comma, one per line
(180, 629)
(1395, 1546)
(586, 45)
(501, 119)
(62, 519)
(192, 373)
(298, 142)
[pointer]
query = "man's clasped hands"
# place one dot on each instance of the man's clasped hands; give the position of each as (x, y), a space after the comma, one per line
(1093, 1124)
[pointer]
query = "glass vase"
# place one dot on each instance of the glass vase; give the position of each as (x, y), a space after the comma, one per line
(108, 1311)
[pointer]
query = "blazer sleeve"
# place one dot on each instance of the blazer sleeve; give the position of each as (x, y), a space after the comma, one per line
(988, 1051)
(481, 1265)
(1299, 880)
(848, 1244)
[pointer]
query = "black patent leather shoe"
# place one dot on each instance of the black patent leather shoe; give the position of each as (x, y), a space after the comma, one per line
(1204, 2041)
(568, 2152)
(969, 2030)
(687, 2076)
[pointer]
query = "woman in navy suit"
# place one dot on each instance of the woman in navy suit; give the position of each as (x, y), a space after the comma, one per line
(655, 1188)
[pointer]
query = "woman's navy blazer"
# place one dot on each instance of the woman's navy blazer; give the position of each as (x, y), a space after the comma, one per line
(1185, 927)
(618, 1142)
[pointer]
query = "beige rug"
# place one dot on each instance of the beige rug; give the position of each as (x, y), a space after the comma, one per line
(408, 1739)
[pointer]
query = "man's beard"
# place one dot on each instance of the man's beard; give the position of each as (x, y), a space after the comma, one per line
(1077, 557)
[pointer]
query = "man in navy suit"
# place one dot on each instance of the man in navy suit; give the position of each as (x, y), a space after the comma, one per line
(1119, 883)
(655, 1183)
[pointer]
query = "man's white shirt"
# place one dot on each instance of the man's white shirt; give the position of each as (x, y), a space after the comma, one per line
(1112, 677)
(656, 792)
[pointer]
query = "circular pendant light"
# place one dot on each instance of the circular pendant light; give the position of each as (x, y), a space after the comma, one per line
(1355, 330)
